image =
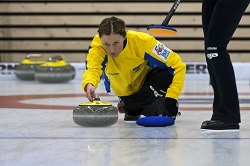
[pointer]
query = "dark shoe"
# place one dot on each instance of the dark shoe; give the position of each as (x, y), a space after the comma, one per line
(130, 118)
(219, 125)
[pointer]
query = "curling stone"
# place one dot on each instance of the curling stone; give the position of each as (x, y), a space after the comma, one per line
(95, 114)
(55, 70)
(26, 69)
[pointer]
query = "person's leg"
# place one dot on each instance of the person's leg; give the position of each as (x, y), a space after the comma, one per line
(218, 30)
(152, 92)
(207, 13)
(160, 80)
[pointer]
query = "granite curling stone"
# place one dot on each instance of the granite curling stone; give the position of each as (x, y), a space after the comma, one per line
(55, 70)
(95, 114)
(26, 69)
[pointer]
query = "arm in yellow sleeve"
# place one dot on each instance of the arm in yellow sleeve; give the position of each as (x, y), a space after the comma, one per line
(174, 61)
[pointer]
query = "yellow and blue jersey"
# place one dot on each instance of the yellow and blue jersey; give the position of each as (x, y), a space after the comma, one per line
(125, 74)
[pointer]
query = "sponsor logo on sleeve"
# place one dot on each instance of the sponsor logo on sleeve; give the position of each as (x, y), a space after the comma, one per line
(161, 50)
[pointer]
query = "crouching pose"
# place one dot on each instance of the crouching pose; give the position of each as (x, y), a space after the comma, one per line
(147, 76)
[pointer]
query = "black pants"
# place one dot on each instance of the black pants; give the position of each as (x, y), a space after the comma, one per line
(155, 86)
(220, 19)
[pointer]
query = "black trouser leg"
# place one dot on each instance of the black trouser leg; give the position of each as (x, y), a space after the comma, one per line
(220, 19)
(154, 87)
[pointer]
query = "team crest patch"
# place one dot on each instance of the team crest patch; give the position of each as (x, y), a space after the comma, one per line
(161, 50)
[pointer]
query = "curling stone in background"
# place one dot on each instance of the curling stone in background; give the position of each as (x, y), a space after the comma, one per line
(26, 69)
(55, 70)
(95, 114)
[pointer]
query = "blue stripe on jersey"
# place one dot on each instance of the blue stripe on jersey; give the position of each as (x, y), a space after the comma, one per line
(106, 80)
(152, 62)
